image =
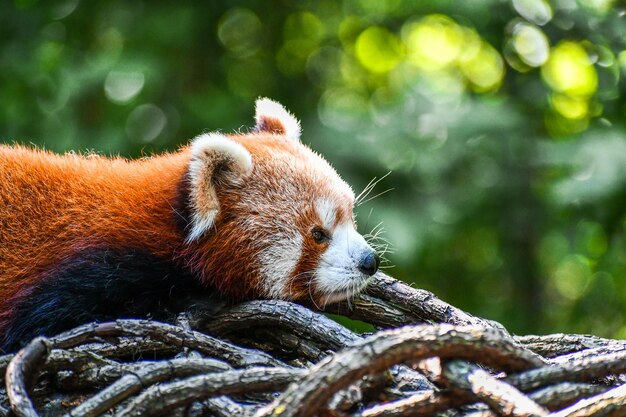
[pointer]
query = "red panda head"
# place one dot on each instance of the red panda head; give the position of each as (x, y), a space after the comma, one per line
(271, 218)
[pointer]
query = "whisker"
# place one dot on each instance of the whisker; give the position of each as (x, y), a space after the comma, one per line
(304, 274)
(377, 195)
(369, 187)
(376, 229)
(368, 217)
(311, 295)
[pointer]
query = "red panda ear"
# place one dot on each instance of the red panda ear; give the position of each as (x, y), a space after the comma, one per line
(271, 117)
(215, 160)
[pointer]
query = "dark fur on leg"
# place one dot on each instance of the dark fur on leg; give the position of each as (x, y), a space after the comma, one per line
(102, 285)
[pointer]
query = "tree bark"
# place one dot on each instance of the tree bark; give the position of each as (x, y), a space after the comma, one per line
(274, 358)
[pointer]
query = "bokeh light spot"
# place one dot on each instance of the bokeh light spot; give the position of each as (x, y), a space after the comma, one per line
(621, 58)
(481, 249)
(433, 42)
(304, 25)
(569, 70)
(559, 125)
(145, 123)
(531, 44)
(570, 107)
(121, 87)
(552, 249)
(536, 11)
(485, 70)
(378, 50)
(49, 55)
(600, 6)
(64, 9)
(379, 8)
(343, 109)
(303, 33)
(111, 41)
(592, 238)
(349, 29)
(572, 276)
(239, 30)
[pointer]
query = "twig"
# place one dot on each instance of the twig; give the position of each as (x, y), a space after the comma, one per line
(610, 403)
(299, 320)
(142, 377)
(225, 407)
(128, 347)
(284, 343)
(353, 376)
(21, 373)
(577, 370)
(288, 316)
(168, 334)
(586, 354)
(560, 344)
(375, 311)
(561, 395)
(378, 352)
(423, 304)
(426, 403)
(503, 398)
(160, 399)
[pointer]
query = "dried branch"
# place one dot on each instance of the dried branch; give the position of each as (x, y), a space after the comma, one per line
(559, 344)
(163, 398)
(426, 403)
(21, 373)
(503, 398)
(423, 304)
(610, 403)
(287, 343)
(225, 407)
(269, 358)
(386, 348)
(301, 322)
(557, 396)
(375, 311)
(169, 334)
(129, 347)
(583, 369)
(143, 376)
(283, 315)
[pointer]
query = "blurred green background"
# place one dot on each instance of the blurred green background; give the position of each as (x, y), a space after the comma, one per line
(501, 121)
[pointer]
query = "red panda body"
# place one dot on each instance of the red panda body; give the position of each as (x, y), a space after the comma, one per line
(88, 238)
(55, 210)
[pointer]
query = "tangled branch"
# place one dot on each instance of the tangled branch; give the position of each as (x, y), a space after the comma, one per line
(274, 358)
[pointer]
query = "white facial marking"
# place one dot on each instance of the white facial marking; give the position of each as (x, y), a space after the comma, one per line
(326, 210)
(338, 276)
(270, 108)
(277, 263)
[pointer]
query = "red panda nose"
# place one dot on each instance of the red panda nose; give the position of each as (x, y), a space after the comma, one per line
(369, 264)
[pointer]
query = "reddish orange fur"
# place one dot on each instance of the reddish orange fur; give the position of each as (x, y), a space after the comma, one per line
(53, 206)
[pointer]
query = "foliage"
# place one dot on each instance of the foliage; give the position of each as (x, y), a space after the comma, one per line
(500, 120)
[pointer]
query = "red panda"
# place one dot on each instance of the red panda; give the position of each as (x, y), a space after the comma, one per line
(256, 215)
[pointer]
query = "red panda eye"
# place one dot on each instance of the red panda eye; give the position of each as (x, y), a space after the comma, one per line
(320, 235)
